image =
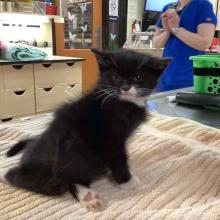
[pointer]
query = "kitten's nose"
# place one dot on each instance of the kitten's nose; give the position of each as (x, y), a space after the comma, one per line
(125, 88)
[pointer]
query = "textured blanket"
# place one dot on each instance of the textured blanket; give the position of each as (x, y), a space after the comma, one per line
(22, 52)
(177, 161)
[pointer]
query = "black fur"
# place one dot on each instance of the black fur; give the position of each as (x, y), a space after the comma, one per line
(17, 148)
(88, 136)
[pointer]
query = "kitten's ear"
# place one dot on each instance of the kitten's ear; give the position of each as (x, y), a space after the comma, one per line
(162, 63)
(159, 64)
(99, 54)
(155, 64)
(103, 58)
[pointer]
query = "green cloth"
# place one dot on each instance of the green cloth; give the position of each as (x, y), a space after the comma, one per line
(22, 52)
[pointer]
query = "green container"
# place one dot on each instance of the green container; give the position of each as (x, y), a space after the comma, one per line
(206, 74)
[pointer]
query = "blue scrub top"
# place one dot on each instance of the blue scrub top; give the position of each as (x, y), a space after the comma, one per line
(179, 73)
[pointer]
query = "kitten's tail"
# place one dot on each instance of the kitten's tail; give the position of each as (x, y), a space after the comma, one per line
(17, 148)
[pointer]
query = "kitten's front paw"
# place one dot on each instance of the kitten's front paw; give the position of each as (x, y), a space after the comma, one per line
(131, 184)
(89, 199)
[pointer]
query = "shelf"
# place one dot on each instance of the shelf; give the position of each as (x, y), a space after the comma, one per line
(50, 59)
(57, 18)
(87, 41)
(28, 18)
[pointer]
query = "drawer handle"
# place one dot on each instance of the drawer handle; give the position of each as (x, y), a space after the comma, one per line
(20, 92)
(71, 86)
(48, 89)
(70, 64)
(17, 67)
(47, 65)
(6, 119)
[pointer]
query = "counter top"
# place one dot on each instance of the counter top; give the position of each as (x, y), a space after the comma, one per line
(159, 102)
(51, 59)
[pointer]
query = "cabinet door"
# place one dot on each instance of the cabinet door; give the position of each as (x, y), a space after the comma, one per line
(81, 31)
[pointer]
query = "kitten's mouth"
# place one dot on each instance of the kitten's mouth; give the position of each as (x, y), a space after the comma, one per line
(133, 92)
(129, 94)
(127, 91)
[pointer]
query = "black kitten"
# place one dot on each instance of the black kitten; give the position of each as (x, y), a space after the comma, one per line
(88, 136)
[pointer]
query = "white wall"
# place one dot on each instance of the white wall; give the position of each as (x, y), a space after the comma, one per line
(15, 33)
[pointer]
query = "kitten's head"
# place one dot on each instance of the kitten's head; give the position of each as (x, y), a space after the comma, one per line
(128, 74)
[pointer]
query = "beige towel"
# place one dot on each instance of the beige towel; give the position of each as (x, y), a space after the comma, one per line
(177, 161)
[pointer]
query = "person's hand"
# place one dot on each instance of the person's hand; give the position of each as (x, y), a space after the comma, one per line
(164, 19)
(173, 19)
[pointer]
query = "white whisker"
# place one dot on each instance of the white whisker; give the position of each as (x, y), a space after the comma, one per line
(144, 90)
(108, 97)
(103, 92)
(108, 92)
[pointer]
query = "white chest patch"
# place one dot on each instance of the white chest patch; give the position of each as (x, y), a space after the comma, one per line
(131, 96)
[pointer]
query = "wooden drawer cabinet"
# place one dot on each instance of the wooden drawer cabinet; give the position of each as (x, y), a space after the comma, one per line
(18, 103)
(72, 92)
(47, 98)
(35, 88)
(47, 75)
(51, 98)
(2, 105)
(18, 77)
(1, 80)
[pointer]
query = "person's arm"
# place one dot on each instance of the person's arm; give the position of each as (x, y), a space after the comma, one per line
(205, 20)
(160, 38)
(200, 40)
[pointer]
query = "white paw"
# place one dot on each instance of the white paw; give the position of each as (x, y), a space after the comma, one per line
(89, 199)
(131, 184)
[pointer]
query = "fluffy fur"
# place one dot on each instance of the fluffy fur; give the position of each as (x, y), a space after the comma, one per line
(88, 136)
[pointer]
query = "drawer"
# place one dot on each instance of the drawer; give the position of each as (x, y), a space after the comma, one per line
(2, 105)
(72, 92)
(48, 99)
(1, 80)
(18, 77)
(56, 74)
(19, 103)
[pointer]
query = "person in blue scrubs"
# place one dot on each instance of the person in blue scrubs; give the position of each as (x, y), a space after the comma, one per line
(185, 28)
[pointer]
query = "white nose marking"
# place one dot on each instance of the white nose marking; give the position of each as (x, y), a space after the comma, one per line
(131, 91)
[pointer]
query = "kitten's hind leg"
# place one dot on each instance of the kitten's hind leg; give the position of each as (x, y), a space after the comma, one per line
(87, 197)
(36, 181)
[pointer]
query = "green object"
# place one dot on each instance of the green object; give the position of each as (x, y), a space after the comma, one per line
(206, 74)
(206, 61)
(207, 84)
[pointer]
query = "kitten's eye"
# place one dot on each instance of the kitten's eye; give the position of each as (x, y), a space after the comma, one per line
(138, 77)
